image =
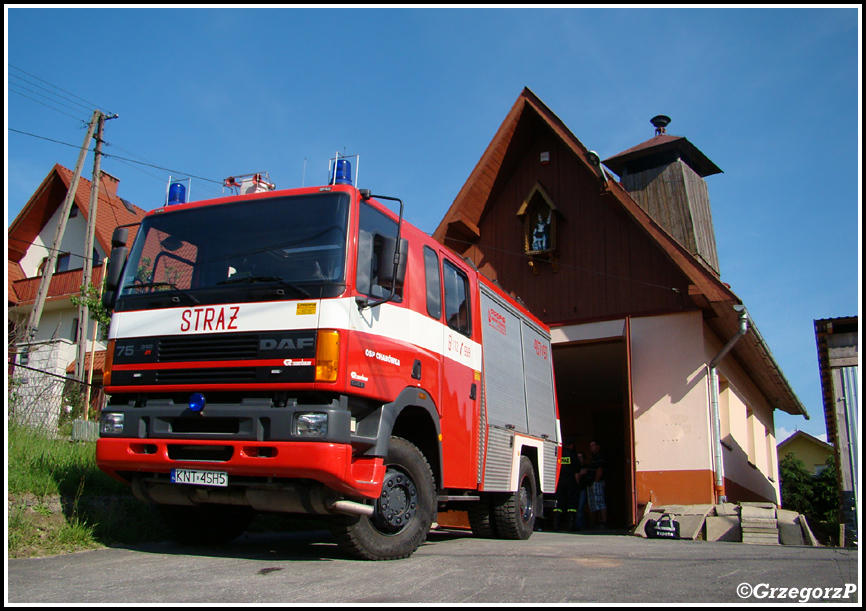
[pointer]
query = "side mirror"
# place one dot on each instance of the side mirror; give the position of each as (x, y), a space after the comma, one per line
(119, 237)
(115, 267)
(108, 298)
(113, 274)
(387, 261)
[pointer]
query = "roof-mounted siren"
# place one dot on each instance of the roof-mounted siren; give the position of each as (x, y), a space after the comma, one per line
(340, 170)
(660, 122)
(176, 192)
(244, 184)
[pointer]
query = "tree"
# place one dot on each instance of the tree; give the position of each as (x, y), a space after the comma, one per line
(825, 493)
(816, 496)
(796, 484)
(92, 297)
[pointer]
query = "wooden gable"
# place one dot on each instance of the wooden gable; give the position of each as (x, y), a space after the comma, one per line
(603, 264)
(612, 259)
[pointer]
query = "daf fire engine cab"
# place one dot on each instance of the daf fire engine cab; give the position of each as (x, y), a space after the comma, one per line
(308, 351)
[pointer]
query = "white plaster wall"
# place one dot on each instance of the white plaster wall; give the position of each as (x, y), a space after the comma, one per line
(755, 469)
(670, 387)
(56, 323)
(670, 390)
(73, 240)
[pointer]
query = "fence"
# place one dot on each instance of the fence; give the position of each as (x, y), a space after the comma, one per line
(42, 399)
(85, 430)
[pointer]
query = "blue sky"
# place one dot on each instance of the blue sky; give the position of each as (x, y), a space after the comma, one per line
(770, 95)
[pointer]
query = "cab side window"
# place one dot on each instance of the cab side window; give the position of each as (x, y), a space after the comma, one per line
(456, 299)
(434, 282)
(374, 227)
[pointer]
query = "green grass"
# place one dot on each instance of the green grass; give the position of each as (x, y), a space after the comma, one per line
(44, 466)
(62, 502)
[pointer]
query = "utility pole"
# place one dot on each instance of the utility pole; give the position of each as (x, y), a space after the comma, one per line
(48, 270)
(87, 271)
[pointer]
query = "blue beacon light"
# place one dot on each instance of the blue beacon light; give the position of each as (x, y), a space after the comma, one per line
(344, 173)
(176, 194)
(196, 402)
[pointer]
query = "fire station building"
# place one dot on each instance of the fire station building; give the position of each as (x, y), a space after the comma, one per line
(655, 357)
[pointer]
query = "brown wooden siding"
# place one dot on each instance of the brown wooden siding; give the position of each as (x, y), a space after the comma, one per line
(677, 198)
(607, 265)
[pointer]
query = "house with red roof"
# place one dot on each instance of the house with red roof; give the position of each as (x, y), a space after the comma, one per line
(39, 364)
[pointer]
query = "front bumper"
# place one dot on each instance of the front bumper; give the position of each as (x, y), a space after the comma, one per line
(331, 464)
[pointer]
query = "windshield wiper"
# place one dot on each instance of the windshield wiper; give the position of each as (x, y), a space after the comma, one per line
(256, 279)
(171, 285)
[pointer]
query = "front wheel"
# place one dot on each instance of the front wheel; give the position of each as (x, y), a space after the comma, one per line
(402, 514)
(515, 513)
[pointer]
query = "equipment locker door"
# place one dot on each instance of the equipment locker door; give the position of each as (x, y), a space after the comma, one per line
(504, 387)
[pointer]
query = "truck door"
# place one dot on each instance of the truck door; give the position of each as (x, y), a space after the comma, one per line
(459, 387)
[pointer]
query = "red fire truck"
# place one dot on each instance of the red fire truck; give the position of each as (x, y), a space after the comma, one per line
(309, 351)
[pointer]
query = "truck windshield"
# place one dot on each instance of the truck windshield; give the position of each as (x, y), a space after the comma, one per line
(271, 248)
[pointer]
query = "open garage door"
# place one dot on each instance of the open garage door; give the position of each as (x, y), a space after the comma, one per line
(593, 389)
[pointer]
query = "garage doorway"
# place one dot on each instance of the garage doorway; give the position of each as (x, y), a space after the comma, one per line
(593, 389)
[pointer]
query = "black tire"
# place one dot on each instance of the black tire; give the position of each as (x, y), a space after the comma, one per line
(481, 518)
(515, 513)
(206, 524)
(403, 514)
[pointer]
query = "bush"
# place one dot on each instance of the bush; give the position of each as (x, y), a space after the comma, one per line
(815, 496)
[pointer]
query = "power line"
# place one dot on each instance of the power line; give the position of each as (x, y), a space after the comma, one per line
(78, 104)
(218, 182)
(151, 165)
(47, 106)
(48, 248)
(17, 131)
(48, 373)
(566, 266)
(89, 104)
(507, 252)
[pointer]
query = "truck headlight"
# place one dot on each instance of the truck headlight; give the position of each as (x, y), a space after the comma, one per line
(311, 425)
(111, 423)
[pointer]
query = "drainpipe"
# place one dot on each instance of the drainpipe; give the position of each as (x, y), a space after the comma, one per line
(714, 403)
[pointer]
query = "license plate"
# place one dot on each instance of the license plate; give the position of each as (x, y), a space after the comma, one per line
(199, 478)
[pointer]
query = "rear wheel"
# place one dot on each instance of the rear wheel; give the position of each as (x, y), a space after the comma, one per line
(482, 519)
(206, 524)
(402, 514)
(515, 513)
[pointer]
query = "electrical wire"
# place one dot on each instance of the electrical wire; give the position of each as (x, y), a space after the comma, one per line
(55, 375)
(90, 105)
(47, 106)
(508, 252)
(109, 155)
(567, 266)
(78, 107)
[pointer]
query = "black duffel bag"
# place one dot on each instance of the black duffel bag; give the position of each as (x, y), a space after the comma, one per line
(663, 528)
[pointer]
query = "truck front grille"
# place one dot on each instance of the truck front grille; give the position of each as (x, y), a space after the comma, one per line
(225, 347)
